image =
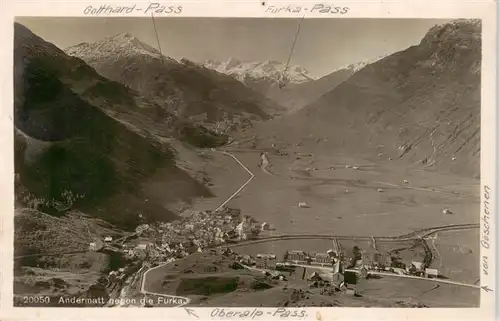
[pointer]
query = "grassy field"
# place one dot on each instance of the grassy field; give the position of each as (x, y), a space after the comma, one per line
(426, 292)
(347, 202)
(458, 255)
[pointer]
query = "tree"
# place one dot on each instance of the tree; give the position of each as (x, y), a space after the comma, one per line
(66, 203)
(356, 253)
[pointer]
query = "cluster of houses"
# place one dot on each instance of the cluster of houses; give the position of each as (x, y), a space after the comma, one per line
(301, 257)
(265, 261)
(377, 262)
(270, 261)
(116, 275)
(98, 244)
(380, 262)
(199, 230)
(210, 228)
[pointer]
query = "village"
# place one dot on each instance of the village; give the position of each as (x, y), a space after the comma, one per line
(154, 244)
(165, 242)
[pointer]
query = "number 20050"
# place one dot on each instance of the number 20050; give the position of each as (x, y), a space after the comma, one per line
(36, 300)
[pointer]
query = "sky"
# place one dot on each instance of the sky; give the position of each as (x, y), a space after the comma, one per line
(322, 46)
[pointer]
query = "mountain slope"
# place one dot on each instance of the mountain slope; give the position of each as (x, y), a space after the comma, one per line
(70, 152)
(190, 91)
(421, 104)
(119, 101)
(296, 96)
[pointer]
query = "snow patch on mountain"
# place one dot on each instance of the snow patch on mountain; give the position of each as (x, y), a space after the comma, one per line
(355, 67)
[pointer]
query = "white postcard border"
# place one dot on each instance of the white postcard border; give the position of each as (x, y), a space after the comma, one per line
(485, 10)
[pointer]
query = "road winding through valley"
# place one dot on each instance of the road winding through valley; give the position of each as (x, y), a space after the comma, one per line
(242, 186)
(221, 206)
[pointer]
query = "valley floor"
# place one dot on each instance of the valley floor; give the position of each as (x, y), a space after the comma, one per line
(343, 196)
(371, 200)
(354, 197)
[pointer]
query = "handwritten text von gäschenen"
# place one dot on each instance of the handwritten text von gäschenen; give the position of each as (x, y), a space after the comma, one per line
(485, 230)
(485, 218)
(151, 8)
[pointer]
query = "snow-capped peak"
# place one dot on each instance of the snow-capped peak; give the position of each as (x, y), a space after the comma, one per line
(122, 44)
(360, 65)
(271, 70)
(123, 35)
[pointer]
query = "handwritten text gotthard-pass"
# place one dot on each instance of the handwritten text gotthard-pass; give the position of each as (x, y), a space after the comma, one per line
(151, 8)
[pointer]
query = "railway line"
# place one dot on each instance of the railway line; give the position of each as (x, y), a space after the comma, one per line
(385, 274)
(416, 235)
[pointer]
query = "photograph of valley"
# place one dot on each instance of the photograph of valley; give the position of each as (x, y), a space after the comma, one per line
(246, 162)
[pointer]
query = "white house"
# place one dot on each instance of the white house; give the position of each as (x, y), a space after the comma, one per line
(303, 205)
(108, 239)
(242, 229)
(417, 265)
(431, 273)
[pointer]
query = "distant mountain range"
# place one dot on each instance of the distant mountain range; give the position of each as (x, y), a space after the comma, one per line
(187, 90)
(271, 71)
(302, 88)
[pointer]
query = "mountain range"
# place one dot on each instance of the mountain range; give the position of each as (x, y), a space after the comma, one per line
(301, 88)
(272, 71)
(421, 104)
(186, 89)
